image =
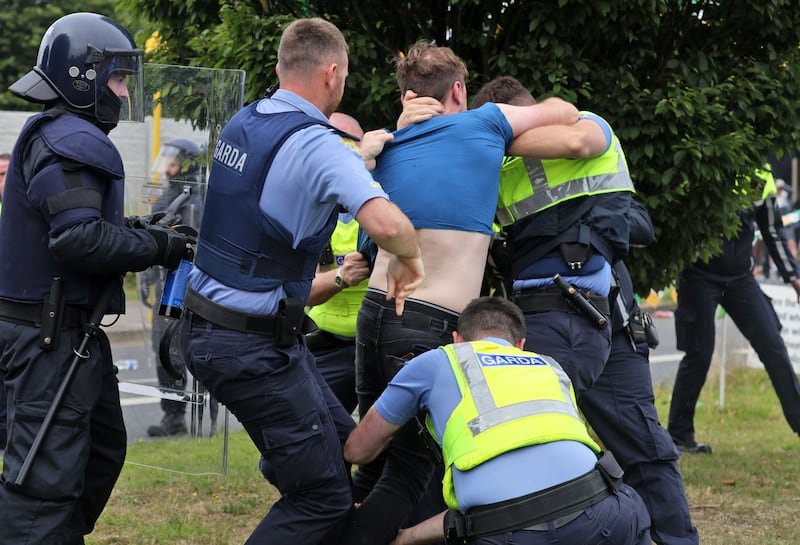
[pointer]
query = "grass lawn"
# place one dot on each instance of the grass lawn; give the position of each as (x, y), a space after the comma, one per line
(747, 492)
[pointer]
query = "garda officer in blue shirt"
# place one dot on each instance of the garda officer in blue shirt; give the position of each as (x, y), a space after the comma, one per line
(499, 412)
(280, 172)
(609, 368)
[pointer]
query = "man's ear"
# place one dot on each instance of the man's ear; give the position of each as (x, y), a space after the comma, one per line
(330, 74)
(457, 338)
(456, 92)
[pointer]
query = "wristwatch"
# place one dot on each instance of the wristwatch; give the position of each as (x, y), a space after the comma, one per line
(340, 283)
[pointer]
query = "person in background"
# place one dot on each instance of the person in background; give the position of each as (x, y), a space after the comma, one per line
(728, 280)
(66, 247)
(180, 171)
(337, 290)
(4, 158)
(498, 411)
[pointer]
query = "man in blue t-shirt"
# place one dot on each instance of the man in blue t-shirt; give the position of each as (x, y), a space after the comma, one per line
(443, 174)
(527, 402)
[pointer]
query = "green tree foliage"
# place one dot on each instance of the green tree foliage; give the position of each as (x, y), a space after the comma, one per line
(700, 92)
(22, 25)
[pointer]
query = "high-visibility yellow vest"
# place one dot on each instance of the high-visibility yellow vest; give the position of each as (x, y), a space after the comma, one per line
(528, 186)
(338, 314)
(509, 399)
(770, 187)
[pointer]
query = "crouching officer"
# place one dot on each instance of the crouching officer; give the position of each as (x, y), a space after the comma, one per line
(498, 412)
(64, 239)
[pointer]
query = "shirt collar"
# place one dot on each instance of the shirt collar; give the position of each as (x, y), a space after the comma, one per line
(284, 100)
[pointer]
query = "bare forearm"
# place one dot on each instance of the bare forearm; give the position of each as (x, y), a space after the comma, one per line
(389, 228)
(323, 288)
(426, 532)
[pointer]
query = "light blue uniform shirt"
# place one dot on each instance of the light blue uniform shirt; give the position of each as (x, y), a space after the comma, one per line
(313, 171)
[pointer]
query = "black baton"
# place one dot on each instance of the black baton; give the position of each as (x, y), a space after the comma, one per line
(581, 302)
(91, 327)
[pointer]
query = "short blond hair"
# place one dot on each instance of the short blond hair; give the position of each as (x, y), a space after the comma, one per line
(429, 70)
(307, 44)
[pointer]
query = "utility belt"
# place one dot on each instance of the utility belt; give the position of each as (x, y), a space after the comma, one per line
(556, 502)
(641, 329)
(33, 314)
(50, 316)
(284, 327)
(320, 340)
(548, 299)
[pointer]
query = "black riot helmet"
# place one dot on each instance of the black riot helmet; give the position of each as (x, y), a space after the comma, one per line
(78, 55)
(179, 160)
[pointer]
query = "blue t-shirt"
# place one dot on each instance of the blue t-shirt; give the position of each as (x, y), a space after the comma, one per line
(313, 171)
(444, 173)
(427, 382)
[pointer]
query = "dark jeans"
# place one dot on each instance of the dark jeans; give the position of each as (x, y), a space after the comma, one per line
(83, 452)
(392, 485)
(293, 419)
(752, 312)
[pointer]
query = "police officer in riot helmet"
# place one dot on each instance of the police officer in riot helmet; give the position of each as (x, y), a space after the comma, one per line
(65, 241)
(179, 166)
(180, 169)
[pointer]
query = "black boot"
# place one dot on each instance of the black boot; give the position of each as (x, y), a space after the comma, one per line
(171, 424)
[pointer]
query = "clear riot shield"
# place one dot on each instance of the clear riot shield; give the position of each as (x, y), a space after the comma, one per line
(167, 161)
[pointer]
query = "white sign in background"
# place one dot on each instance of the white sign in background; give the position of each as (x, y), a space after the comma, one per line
(784, 301)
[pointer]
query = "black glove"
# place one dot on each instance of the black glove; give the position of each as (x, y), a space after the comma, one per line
(138, 222)
(172, 245)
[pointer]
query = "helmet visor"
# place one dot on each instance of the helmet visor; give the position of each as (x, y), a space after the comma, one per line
(121, 73)
(173, 163)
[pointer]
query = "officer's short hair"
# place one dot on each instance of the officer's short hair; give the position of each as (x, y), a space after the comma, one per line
(491, 317)
(429, 70)
(505, 90)
(309, 43)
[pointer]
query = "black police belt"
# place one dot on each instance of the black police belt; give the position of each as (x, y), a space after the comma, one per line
(206, 310)
(31, 314)
(321, 340)
(536, 508)
(536, 300)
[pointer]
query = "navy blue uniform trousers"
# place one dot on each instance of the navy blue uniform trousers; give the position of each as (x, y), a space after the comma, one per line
(614, 390)
(81, 456)
(619, 519)
(752, 312)
(293, 419)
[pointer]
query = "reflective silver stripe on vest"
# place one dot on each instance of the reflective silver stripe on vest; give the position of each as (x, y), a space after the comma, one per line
(544, 195)
(489, 414)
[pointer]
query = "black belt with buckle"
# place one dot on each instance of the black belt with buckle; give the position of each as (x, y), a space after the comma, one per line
(30, 314)
(559, 501)
(205, 311)
(548, 299)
